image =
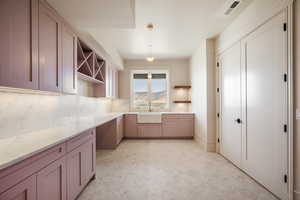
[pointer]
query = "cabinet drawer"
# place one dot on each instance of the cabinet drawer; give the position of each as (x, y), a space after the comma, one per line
(149, 130)
(178, 128)
(16, 173)
(80, 139)
(177, 116)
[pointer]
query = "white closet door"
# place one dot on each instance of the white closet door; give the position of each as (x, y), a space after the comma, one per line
(264, 105)
(230, 94)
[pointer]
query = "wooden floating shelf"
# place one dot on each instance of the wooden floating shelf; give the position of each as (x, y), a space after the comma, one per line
(182, 87)
(182, 101)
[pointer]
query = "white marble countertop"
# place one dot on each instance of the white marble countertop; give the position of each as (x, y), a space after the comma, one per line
(17, 148)
(172, 113)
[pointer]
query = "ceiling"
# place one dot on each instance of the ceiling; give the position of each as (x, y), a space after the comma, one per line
(120, 25)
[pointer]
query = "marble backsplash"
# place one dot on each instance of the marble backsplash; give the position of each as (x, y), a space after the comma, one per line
(25, 112)
(123, 105)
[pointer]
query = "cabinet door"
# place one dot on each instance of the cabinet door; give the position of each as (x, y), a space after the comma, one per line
(119, 129)
(149, 130)
(178, 128)
(69, 61)
(26, 190)
(49, 51)
(131, 126)
(19, 43)
(80, 168)
(74, 173)
(51, 181)
(89, 160)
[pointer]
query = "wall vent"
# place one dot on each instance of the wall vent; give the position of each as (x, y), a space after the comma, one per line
(234, 4)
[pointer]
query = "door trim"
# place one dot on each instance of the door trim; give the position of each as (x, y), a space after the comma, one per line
(290, 88)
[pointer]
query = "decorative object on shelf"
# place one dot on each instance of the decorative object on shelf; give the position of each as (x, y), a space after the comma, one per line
(182, 101)
(91, 67)
(184, 96)
(182, 87)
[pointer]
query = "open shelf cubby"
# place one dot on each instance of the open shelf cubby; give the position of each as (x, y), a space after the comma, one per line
(99, 68)
(91, 67)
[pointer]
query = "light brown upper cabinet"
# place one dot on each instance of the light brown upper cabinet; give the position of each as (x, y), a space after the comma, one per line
(19, 43)
(50, 62)
(69, 61)
(40, 51)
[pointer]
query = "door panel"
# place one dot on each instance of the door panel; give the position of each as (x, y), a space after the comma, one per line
(51, 181)
(69, 61)
(19, 43)
(89, 160)
(74, 173)
(49, 51)
(264, 140)
(131, 126)
(230, 80)
(119, 129)
(149, 130)
(173, 128)
(26, 190)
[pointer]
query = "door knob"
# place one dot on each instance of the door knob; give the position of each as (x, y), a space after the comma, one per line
(238, 120)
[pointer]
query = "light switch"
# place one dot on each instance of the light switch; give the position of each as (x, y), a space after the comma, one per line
(297, 114)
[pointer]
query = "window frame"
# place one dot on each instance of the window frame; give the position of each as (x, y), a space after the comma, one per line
(149, 82)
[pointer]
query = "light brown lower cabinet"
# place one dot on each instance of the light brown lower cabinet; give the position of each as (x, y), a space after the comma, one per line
(130, 126)
(110, 134)
(149, 130)
(75, 171)
(59, 173)
(172, 126)
(80, 168)
(120, 129)
(178, 126)
(52, 181)
(25, 190)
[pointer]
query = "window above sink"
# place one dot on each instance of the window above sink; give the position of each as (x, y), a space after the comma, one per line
(149, 90)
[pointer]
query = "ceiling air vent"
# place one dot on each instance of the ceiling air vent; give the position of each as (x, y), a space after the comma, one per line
(232, 6)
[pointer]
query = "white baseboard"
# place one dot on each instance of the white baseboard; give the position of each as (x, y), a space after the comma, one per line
(296, 195)
(199, 141)
(211, 147)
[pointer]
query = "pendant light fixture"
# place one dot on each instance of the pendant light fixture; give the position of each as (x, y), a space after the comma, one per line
(150, 28)
(150, 58)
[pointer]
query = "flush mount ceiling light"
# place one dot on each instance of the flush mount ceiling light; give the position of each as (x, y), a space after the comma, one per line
(150, 28)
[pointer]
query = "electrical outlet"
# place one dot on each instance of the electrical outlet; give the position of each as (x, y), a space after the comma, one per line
(297, 114)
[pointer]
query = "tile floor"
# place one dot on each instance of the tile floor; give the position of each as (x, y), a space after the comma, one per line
(168, 170)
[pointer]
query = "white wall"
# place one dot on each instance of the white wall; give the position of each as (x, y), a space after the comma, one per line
(202, 69)
(178, 75)
(254, 15)
(297, 102)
